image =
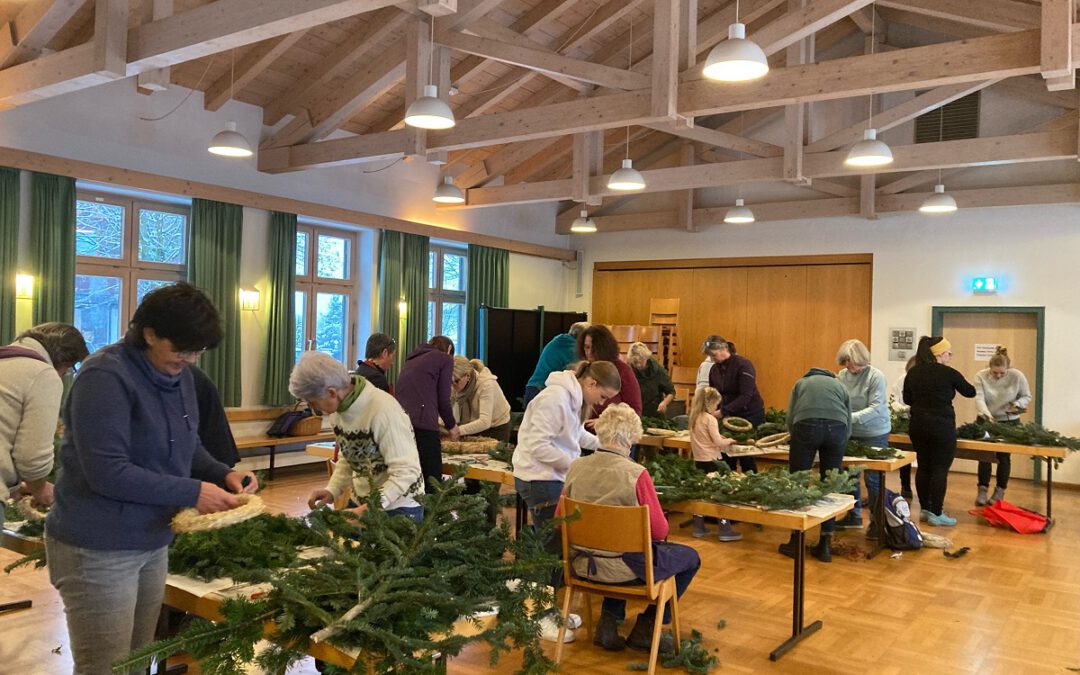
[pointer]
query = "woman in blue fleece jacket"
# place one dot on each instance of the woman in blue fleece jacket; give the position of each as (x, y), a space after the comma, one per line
(130, 459)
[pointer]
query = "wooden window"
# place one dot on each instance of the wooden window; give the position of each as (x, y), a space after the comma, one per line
(326, 291)
(446, 293)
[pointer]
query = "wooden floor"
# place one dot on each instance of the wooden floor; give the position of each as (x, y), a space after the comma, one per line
(1012, 605)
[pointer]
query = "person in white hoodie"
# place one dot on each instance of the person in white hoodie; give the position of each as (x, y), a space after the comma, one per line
(31, 387)
(1001, 395)
(551, 436)
(373, 435)
(480, 407)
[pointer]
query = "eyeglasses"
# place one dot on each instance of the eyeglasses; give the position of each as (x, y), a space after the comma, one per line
(190, 354)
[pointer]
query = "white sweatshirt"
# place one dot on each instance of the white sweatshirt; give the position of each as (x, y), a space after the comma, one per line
(992, 397)
(375, 438)
(703, 373)
(489, 402)
(896, 397)
(30, 393)
(552, 434)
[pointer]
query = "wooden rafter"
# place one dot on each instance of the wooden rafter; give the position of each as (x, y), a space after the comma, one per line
(997, 15)
(251, 65)
(34, 26)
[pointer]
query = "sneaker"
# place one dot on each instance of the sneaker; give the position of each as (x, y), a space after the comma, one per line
(924, 516)
(999, 494)
(699, 527)
(727, 533)
(980, 499)
(943, 520)
(573, 621)
(549, 630)
(849, 522)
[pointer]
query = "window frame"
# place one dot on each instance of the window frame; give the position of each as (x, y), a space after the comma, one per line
(440, 295)
(311, 285)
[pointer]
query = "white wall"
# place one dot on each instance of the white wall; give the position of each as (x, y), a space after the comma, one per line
(919, 262)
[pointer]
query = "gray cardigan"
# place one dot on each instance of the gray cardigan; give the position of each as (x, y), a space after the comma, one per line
(869, 402)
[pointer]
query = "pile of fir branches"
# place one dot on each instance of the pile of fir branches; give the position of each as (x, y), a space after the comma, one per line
(503, 452)
(1031, 433)
(388, 587)
(776, 488)
(29, 528)
(857, 448)
(776, 416)
(768, 429)
(658, 423)
(900, 421)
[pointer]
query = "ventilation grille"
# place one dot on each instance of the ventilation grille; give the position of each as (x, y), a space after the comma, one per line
(951, 122)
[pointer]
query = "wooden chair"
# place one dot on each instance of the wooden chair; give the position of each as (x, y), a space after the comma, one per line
(650, 336)
(620, 529)
(684, 379)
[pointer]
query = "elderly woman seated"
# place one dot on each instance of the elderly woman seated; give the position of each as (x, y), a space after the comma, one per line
(372, 432)
(609, 476)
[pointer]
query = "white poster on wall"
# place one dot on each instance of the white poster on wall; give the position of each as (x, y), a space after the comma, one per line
(984, 350)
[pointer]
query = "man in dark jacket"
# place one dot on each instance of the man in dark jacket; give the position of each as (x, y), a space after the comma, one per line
(214, 430)
(423, 390)
(378, 357)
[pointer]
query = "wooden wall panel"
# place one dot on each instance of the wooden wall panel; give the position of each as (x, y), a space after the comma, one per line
(838, 301)
(719, 307)
(622, 297)
(775, 337)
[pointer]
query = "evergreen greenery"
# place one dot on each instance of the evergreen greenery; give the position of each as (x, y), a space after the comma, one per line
(503, 452)
(240, 551)
(658, 423)
(1031, 433)
(391, 589)
(900, 421)
(768, 429)
(776, 416)
(692, 656)
(859, 449)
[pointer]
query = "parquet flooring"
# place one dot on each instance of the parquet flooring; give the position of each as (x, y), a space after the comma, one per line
(1012, 605)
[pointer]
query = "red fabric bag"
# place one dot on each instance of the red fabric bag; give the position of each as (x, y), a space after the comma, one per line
(1003, 514)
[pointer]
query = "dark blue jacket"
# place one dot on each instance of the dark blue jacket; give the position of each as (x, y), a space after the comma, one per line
(423, 388)
(130, 451)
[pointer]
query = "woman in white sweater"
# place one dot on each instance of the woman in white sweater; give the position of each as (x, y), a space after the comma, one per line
(551, 436)
(373, 434)
(480, 407)
(1001, 394)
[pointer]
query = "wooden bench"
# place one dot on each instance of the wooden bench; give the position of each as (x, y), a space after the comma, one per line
(267, 415)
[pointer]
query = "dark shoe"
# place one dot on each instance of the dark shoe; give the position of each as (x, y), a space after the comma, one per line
(607, 634)
(907, 494)
(640, 637)
(726, 532)
(849, 522)
(871, 531)
(823, 550)
(788, 548)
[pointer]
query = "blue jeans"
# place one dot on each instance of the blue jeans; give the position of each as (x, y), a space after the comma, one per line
(824, 438)
(542, 498)
(112, 600)
(872, 478)
(413, 513)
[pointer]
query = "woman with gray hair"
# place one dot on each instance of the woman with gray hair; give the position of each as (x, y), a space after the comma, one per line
(373, 435)
(870, 421)
(656, 388)
(609, 476)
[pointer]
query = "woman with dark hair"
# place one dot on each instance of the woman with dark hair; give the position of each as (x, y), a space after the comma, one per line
(130, 458)
(596, 343)
(423, 390)
(929, 389)
(31, 387)
(735, 378)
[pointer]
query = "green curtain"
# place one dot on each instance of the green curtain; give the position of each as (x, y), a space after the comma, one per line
(415, 249)
(9, 250)
(488, 284)
(52, 242)
(390, 290)
(280, 309)
(214, 267)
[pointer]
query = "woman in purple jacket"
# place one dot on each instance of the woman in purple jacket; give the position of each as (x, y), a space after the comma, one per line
(735, 378)
(423, 390)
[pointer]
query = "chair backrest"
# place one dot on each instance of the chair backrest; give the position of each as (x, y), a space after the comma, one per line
(664, 311)
(624, 333)
(684, 379)
(650, 335)
(619, 529)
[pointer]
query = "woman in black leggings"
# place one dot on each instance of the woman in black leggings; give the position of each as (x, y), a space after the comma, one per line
(929, 389)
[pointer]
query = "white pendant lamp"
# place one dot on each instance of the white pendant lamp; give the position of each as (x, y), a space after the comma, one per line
(869, 151)
(939, 202)
(739, 214)
(736, 59)
(583, 224)
(429, 111)
(448, 193)
(230, 143)
(627, 178)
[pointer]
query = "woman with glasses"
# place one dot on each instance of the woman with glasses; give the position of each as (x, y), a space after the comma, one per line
(130, 459)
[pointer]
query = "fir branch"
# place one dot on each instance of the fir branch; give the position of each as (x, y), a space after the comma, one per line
(776, 416)
(36, 556)
(658, 423)
(859, 449)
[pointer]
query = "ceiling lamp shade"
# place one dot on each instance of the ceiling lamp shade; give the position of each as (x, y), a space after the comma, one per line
(939, 202)
(869, 151)
(739, 214)
(429, 111)
(736, 59)
(448, 193)
(583, 224)
(230, 143)
(626, 178)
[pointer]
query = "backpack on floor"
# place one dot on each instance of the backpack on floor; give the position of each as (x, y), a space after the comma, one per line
(900, 533)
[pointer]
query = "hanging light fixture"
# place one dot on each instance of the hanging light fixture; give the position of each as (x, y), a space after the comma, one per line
(627, 178)
(870, 151)
(736, 59)
(230, 142)
(448, 193)
(583, 224)
(739, 214)
(940, 201)
(429, 111)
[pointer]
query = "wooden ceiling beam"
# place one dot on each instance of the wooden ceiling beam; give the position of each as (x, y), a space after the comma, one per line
(720, 139)
(1058, 68)
(954, 29)
(803, 22)
(34, 26)
(254, 63)
(996, 15)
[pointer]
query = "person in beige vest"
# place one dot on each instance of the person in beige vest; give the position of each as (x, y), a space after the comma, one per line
(609, 476)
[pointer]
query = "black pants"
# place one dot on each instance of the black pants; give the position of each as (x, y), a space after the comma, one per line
(747, 464)
(934, 440)
(821, 437)
(430, 448)
(905, 478)
(1004, 462)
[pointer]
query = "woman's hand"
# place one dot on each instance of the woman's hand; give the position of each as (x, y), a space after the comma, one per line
(234, 480)
(319, 498)
(213, 499)
(359, 510)
(454, 433)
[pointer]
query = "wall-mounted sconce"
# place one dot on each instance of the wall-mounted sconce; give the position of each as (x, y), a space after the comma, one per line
(24, 286)
(401, 307)
(249, 300)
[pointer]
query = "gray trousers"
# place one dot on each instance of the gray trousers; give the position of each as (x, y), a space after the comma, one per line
(112, 600)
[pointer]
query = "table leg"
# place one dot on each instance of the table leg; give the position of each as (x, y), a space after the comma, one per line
(798, 631)
(1050, 488)
(879, 516)
(270, 472)
(520, 513)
